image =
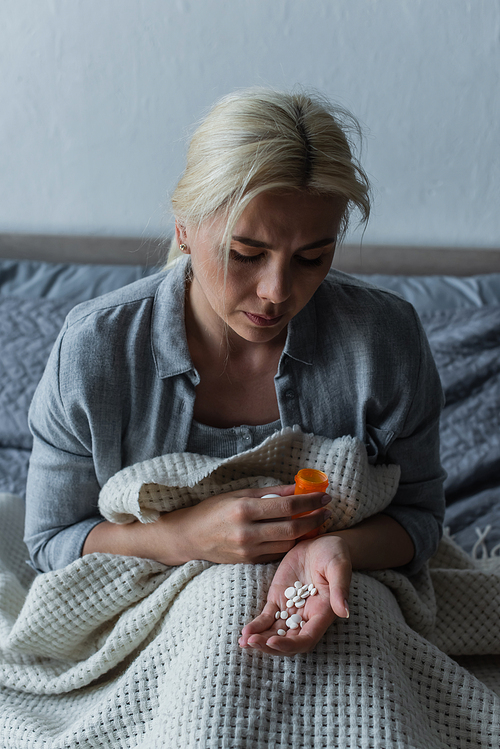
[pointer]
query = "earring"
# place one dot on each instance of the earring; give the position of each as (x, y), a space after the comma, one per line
(183, 247)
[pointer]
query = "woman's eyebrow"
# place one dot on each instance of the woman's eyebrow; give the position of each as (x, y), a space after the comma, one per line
(263, 246)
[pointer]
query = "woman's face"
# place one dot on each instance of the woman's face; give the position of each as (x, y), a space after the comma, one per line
(281, 250)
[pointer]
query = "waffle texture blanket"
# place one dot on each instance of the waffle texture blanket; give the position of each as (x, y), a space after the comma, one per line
(125, 652)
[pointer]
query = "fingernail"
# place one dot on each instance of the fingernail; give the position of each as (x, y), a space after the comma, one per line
(327, 514)
(326, 499)
(346, 606)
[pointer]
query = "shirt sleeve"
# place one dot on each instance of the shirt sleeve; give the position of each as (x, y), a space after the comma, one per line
(62, 488)
(419, 504)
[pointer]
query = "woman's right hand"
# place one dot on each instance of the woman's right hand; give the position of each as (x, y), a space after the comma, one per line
(244, 527)
(231, 528)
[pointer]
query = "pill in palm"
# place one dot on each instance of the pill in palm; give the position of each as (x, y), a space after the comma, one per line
(268, 496)
(296, 598)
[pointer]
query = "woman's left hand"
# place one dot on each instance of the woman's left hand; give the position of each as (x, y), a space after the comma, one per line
(323, 561)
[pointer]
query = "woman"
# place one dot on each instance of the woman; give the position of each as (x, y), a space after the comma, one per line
(247, 334)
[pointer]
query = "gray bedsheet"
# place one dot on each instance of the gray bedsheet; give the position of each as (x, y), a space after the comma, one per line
(465, 339)
(466, 347)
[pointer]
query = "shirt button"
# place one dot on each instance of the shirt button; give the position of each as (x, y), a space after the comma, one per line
(290, 394)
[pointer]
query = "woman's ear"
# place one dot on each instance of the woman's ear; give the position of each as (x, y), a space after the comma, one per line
(181, 237)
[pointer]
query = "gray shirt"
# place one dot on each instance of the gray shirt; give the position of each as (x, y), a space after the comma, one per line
(119, 388)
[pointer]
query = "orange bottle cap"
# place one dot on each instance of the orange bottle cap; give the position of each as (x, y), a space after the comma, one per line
(310, 480)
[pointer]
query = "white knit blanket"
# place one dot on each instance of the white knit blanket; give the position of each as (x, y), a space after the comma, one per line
(124, 652)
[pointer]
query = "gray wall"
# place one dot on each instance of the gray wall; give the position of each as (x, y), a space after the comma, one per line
(98, 97)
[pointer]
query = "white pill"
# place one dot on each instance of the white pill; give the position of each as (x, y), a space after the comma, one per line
(296, 618)
(268, 496)
(295, 599)
(290, 604)
(305, 595)
(281, 632)
(290, 592)
(298, 584)
(299, 604)
(283, 615)
(277, 615)
(310, 587)
(314, 591)
(303, 589)
(291, 624)
(302, 624)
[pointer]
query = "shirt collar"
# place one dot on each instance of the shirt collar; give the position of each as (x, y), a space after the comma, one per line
(302, 331)
(168, 331)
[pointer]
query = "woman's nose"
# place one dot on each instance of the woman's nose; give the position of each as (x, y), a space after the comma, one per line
(275, 285)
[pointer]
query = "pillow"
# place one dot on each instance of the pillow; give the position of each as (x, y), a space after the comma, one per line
(29, 278)
(432, 293)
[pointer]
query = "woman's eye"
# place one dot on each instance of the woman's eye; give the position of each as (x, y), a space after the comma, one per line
(244, 258)
(308, 262)
(312, 263)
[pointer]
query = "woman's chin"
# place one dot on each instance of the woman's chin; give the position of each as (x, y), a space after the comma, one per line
(256, 333)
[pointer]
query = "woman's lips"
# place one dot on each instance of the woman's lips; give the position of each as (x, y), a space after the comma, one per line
(263, 321)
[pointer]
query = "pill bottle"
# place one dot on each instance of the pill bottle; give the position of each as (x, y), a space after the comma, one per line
(309, 480)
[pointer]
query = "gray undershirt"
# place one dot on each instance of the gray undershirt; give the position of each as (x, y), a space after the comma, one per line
(224, 443)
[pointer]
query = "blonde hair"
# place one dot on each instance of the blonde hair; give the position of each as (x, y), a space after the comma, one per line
(259, 139)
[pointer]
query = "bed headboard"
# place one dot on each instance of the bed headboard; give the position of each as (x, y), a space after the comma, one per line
(365, 259)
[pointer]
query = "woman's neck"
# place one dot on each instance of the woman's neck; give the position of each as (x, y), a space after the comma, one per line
(236, 376)
(212, 342)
